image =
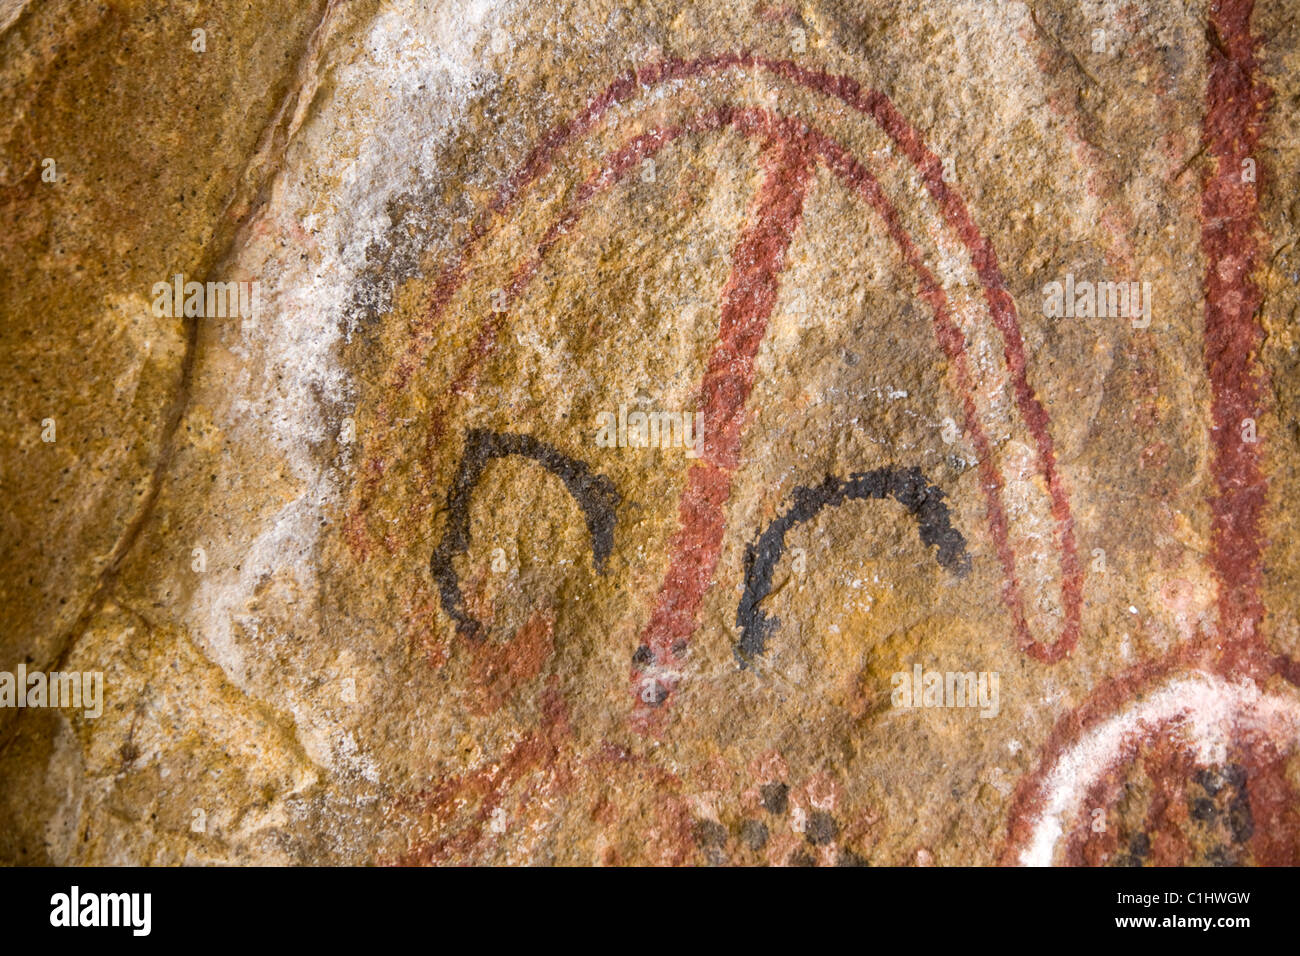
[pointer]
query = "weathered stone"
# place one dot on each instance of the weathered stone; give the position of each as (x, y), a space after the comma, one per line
(701, 433)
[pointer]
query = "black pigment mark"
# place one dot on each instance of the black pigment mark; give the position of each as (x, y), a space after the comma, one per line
(906, 485)
(1226, 786)
(595, 493)
(1139, 848)
(775, 797)
(821, 828)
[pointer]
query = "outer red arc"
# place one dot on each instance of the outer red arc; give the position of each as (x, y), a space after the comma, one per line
(696, 545)
(870, 102)
(1001, 306)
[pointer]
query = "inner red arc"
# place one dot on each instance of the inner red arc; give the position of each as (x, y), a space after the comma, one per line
(774, 214)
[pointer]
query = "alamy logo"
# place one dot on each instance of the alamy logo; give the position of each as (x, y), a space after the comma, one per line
(1100, 300)
(922, 688)
(102, 909)
(650, 430)
(56, 689)
(213, 300)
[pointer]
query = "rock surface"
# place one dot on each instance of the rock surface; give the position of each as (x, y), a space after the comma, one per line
(632, 407)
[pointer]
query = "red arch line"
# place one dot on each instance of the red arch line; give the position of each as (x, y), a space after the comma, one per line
(874, 104)
(760, 122)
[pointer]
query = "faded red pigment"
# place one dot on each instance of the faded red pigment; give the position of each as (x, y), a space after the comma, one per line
(1232, 244)
(691, 569)
(1232, 240)
(1235, 102)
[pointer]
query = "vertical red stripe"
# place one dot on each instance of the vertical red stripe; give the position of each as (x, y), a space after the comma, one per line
(747, 301)
(1231, 240)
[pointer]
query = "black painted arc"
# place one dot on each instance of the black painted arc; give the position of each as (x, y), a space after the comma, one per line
(908, 486)
(595, 494)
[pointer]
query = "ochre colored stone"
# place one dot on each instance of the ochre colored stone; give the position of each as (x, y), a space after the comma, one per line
(965, 331)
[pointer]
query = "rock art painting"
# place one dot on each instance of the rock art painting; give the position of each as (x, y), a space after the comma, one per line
(826, 434)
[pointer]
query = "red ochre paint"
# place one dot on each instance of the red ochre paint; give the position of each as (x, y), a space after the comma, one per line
(703, 509)
(747, 301)
(1235, 102)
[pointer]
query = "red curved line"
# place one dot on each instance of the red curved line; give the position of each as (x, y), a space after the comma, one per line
(1002, 307)
(1236, 100)
(950, 337)
(674, 615)
(698, 543)
(616, 166)
(1101, 703)
(1003, 311)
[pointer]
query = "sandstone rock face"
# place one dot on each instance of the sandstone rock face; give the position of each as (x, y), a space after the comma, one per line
(821, 433)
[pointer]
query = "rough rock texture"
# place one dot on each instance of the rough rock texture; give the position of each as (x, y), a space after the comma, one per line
(377, 573)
